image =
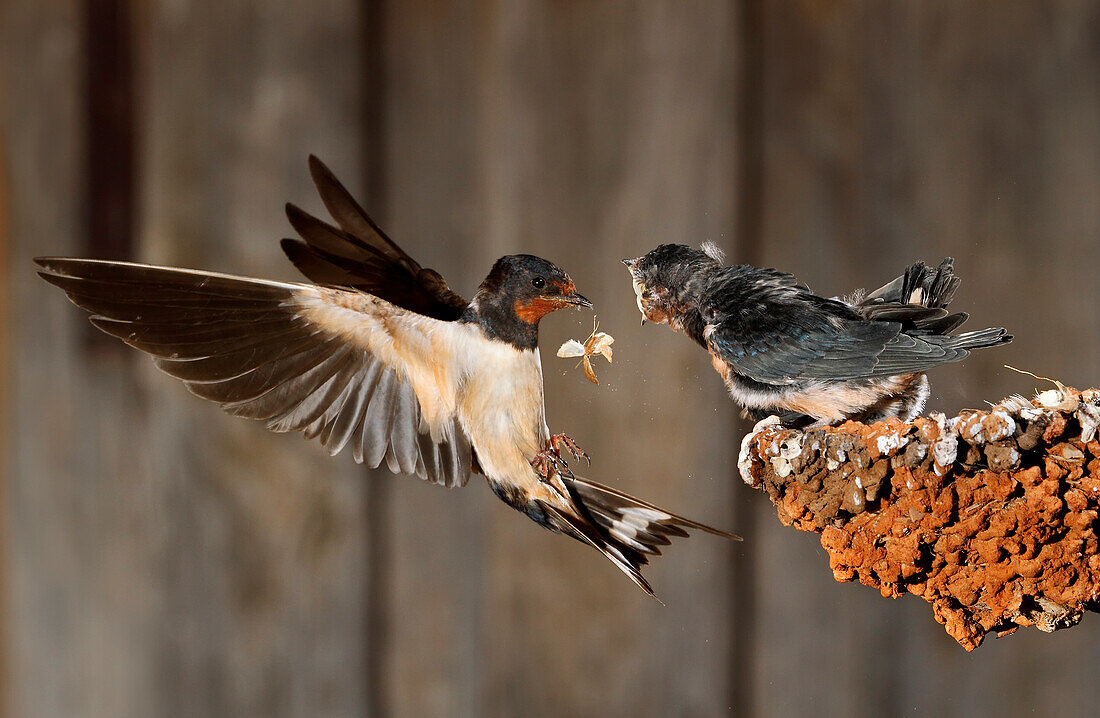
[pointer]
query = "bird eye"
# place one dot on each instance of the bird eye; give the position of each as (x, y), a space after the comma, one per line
(539, 282)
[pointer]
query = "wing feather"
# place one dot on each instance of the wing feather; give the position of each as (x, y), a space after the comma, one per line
(335, 364)
(775, 331)
(357, 254)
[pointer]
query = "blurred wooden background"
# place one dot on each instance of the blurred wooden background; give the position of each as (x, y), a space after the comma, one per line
(161, 559)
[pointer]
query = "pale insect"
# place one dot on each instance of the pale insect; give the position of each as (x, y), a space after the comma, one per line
(597, 343)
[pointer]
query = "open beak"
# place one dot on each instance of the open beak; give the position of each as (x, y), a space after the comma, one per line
(577, 300)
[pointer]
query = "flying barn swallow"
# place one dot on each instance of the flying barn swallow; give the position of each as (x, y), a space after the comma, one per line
(781, 349)
(379, 354)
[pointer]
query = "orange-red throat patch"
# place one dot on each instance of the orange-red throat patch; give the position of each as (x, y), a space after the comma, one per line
(537, 308)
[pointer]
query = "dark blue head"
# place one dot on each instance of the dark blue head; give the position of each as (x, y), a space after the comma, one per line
(520, 290)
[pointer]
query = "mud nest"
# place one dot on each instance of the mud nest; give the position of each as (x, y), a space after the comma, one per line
(990, 516)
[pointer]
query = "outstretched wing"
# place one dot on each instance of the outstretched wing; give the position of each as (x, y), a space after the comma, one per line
(338, 365)
(359, 255)
(773, 330)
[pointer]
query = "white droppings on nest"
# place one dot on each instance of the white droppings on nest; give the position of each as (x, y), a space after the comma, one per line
(787, 449)
(832, 464)
(982, 428)
(1088, 414)
(946, 446)
(1002, 427)
(745, 457)
(888, 444)
(791, 447)
(1033, 413)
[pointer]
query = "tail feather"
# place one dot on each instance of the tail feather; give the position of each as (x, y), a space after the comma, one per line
(930, 287)
(991, 337)
(578, 528)
(625, 529)
(920, 285)
(614, 504)
(918, 299)
(946, 325)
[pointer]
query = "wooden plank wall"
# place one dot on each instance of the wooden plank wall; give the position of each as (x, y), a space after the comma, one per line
(5, 382)
(165, 559)
(162, 559)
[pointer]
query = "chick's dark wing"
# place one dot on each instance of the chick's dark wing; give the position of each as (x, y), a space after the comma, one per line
(358, 254)
(773, 330)
(338, 365)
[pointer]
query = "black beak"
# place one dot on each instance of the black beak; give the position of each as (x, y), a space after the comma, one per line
(578, 300)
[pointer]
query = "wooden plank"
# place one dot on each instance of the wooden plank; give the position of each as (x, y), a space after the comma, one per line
(109, 131)
(605, 131)
(899, 131)
(165, 559)
(5, 449)
(266, 546)
(47, 654)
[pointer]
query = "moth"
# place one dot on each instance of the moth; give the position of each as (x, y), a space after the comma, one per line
(597, 343)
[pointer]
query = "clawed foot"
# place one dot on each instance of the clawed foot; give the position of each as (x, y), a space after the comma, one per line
(557, 441)
(550, 457)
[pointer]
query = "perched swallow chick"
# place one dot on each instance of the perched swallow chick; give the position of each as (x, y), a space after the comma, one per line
(381, 355)
(781, 349)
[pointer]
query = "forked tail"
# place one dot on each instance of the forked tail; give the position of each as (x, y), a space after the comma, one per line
(625, 529)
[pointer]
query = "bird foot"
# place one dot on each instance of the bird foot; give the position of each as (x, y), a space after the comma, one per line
(550, 457)
(557, 441)
(547, 461)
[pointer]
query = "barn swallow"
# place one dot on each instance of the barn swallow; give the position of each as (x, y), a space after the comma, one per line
(378, 353)
(781, 349)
